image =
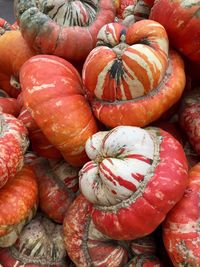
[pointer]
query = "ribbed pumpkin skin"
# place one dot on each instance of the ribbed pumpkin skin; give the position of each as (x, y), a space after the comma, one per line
(182, 22)
(40, 244)
(80, 26)
(189, 118)
(181, 228)
(18, 203)
(53, 92)
(13, 144)
(85, 245)
(130, 77)
(14, 51)
(134, 178)
(39, 143)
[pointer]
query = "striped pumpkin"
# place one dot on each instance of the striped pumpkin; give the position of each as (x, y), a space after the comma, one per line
(130, 77)
(134, 178)
(133, 10)
(13, 144)
(69, 23)
(181, 233)
(40, 244)
(85, 245)
(18, 204)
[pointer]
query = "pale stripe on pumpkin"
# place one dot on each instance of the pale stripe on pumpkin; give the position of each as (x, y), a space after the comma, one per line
(129, 63)
(70, 13)
(123, 158)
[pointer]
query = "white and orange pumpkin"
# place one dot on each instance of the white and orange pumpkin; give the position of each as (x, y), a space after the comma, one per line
(131, 77)
(69, 23)
(134, 178)
(40, 244)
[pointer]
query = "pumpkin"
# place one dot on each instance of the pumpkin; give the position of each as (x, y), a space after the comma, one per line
(85, 245)
(39, 143)
(68, 23)
(134, 178)
(182, 23)
(130, 77)
(145, 261)
(133, 10)
(53, 93)
(13, 53)
(40, 244)
(13, 144)
(18, 204)
(8, 104)
(181, 227)
(189, 117)
(58, 183)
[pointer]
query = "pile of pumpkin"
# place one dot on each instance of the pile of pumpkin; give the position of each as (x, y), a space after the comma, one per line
(100, 134)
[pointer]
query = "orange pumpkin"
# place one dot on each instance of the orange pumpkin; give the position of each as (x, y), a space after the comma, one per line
(130, 77)
(53, 92)
(13, 53)
(18, 203)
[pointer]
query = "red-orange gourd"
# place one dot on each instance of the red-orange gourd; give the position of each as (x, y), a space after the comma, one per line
(53, 92)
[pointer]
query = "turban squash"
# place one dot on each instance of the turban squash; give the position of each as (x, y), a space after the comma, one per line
(40, 244)
(86, 246)
(130, 77)
(182, 22)
(69, 23)
(134, 178)
(18, 204)
(58, 183)
(189, 117)
(181, 228)
(13, 145)
(53, 93)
